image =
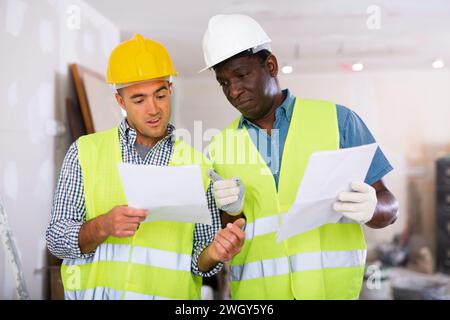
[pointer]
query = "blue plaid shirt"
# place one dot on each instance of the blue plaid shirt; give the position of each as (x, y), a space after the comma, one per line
(69, 211)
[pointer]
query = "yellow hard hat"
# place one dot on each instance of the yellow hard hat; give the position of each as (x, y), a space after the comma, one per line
(138, 59)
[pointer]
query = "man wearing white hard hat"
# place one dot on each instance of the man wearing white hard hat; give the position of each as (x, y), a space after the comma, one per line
(326, 262)
(107, 253)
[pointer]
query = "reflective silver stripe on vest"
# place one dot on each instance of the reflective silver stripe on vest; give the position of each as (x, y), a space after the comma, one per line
(141, 255)
(270, 224)
(104, 252)
(262, 268)
(139, 296)
(102, 293)
(261, 226)
(162, 259)
(299, 262)
(327, 259)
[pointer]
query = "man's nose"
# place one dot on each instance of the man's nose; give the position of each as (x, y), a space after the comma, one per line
(235, 89)
(151, 107)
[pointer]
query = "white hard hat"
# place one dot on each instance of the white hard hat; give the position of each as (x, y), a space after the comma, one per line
(231, 34)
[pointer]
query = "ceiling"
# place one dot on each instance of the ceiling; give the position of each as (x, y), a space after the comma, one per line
(312, 36)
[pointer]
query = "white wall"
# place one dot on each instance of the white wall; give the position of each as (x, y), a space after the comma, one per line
(408, 112)
(200, 100)
(39, 39)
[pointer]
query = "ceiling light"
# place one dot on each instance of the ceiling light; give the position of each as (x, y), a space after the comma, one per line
(287, 69)
(357, 66)
(438, 64)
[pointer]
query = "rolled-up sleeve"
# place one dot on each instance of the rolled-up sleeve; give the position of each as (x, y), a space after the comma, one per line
(354, 133)
(204, 235)
(68, 211)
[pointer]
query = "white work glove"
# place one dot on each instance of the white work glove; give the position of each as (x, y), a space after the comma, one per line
(359, 204)
(229, 193)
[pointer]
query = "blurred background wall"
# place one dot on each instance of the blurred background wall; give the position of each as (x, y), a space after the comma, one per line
(38, 41)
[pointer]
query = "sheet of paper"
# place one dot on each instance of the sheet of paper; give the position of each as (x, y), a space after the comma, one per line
(327, 174)
(168, 193)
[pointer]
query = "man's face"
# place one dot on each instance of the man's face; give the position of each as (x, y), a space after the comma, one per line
(247, 83)
(148, 108)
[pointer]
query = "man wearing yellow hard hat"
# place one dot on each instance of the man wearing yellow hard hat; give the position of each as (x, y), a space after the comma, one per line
(326, 262)
(107, 253)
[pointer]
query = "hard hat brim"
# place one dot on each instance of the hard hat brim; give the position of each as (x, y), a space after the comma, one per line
(118, 86)
(256, 49)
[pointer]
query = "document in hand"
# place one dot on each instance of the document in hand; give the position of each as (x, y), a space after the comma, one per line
(168, 193)
(327, 174)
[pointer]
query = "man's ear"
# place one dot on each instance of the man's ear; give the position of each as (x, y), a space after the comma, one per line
(272, 64)
(120, 101)
(170, 88)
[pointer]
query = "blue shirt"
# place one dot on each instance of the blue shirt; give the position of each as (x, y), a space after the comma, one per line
(352, 133)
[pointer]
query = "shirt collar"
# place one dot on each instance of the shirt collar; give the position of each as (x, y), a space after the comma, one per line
(129, 134)
(286, 108)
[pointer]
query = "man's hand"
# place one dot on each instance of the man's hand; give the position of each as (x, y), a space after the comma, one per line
(120, 221)
(228, 241)
(123, 221)
(358, 205)
(226, 244)
(229, 193)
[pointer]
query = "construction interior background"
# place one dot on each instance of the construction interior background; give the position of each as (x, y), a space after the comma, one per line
(386, 60)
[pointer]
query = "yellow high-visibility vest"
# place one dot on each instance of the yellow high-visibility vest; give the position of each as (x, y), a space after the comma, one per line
(324, 263)
(153, 264)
